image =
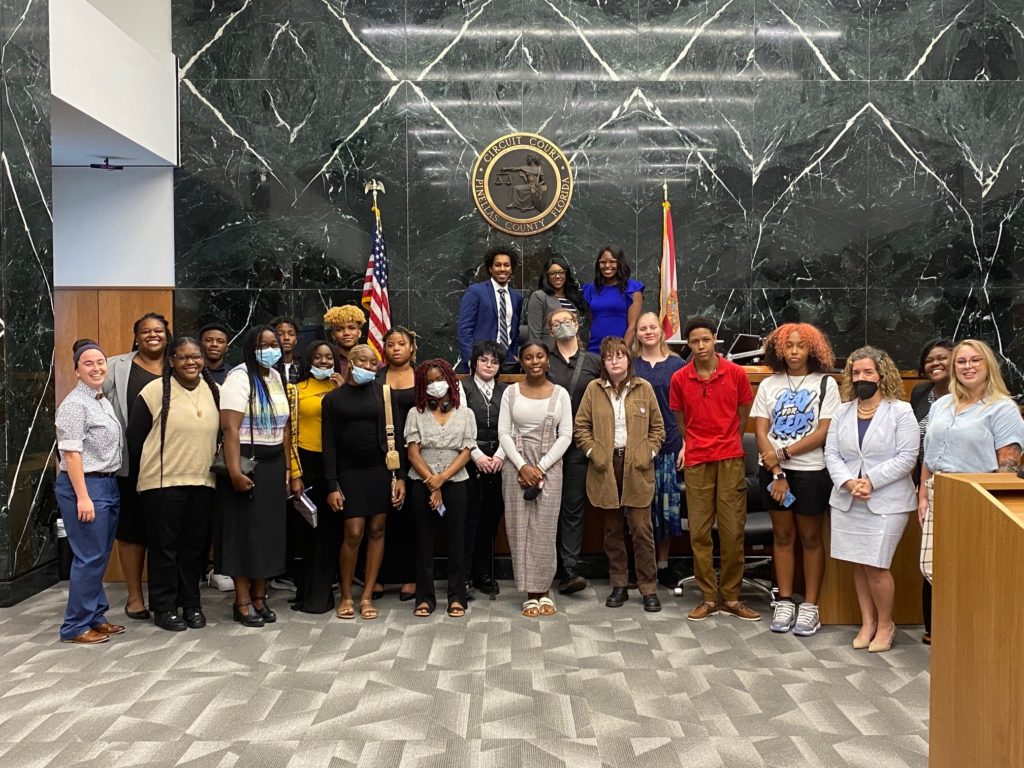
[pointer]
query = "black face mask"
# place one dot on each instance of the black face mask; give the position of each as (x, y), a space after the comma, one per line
(865, 389)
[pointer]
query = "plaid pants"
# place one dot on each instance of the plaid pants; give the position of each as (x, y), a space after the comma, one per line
(926, 532)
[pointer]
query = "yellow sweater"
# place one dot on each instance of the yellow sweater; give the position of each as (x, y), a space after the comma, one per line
(307, 420)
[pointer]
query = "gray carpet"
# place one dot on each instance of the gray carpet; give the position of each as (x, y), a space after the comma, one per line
(591, 686)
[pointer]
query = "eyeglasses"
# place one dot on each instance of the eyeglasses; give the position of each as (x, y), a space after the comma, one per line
(556, 273)
(189, 358)
(973, 362)
(604, 263)
(563, 324)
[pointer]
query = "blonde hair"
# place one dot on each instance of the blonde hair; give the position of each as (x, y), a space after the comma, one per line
(335, 317)
(358, 349)
(636, 347)
(995, 388)
(891, 385)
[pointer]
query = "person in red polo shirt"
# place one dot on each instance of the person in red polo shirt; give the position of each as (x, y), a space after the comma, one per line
(710, 397)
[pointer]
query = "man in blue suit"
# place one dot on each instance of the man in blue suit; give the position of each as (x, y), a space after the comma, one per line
(490, 310)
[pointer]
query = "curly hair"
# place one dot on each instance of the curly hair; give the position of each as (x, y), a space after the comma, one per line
(891, 385)
(819, 352)
(995, 387)
(335, 317)
(447, 374)
(410, 336)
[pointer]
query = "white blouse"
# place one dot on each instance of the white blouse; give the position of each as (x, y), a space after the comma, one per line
(527, 414)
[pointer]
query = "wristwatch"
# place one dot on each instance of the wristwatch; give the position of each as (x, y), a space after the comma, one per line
(780, 475)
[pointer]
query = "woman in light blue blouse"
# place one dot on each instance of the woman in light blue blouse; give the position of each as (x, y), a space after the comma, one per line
(615, 301)
(975, 428)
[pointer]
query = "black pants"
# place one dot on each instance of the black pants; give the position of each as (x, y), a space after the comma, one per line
(317, 547)
(484, 507)
(570, 516)
(177, 525)
(427, 522)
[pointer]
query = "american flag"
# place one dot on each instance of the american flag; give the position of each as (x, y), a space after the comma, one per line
(375, 289)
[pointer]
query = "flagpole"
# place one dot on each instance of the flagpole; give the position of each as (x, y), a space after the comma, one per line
(375, 186)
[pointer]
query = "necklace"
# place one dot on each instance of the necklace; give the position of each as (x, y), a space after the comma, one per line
(796, 388)
(866, 412)
(710, 375)
(194, 400)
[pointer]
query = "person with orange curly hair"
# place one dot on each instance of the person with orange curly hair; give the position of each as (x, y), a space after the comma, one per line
(344, 327)
(791, 412)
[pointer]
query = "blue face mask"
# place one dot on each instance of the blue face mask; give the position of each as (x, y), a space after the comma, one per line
(362, 376)
(268, 357)
(321, 373)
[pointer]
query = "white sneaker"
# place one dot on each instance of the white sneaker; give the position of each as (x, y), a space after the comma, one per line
(283, 583)
(221, 582)
(784, 617)
(807, 621)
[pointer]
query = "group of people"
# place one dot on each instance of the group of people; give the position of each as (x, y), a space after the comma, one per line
(337, 467)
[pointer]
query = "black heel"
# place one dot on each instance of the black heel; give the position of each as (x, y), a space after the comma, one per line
(251, 619)
(268, 615)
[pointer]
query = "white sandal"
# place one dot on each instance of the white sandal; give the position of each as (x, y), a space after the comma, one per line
(547, 606)
(531, 609)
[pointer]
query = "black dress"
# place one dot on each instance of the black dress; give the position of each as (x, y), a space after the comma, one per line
(399, 566)
(352, 454)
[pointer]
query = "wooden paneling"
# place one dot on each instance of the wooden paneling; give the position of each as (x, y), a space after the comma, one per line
(105, 315)
(838, 602)
(75, 316)
(977, 711)
(119, 309)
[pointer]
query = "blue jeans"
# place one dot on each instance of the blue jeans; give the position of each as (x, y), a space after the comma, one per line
(90, 545)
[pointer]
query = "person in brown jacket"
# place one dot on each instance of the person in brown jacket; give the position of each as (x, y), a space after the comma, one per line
(620, 429)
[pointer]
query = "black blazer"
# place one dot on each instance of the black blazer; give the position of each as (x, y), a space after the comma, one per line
(919, 399)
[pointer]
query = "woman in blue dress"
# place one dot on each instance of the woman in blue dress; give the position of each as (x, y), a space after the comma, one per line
(615, 300)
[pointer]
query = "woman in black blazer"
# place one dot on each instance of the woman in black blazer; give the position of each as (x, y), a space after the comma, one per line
(934, 366)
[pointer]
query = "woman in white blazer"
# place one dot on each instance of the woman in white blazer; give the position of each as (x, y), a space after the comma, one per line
(870, 452)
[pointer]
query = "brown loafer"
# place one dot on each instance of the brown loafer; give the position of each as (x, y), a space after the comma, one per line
(740, 611)
(702, 611)
(89, 637)
(109, 629)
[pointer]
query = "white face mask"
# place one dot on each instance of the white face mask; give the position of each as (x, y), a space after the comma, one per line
(321, 373)
(437, 388)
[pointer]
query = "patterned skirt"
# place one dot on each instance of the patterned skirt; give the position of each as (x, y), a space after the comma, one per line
(665, 516)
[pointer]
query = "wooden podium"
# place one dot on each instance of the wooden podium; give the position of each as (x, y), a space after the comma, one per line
(977, 683)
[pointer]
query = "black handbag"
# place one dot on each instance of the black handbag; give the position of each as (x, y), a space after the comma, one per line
(247, 464)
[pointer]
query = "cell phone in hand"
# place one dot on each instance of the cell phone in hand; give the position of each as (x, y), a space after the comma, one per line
(788, 499)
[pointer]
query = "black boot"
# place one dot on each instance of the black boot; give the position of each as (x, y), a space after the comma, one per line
(618, 596)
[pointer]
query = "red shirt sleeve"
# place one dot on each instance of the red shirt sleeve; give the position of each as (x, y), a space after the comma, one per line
(675, 391)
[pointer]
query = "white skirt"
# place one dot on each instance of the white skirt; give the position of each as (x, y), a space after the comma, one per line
(860, 536)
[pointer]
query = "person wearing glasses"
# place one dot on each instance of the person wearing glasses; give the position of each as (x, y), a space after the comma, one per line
(557, 288)
(975, 428)
(620, 429)
(615, 301)
(572, 368)
(491, 309)
(711, 397)
(172, 439)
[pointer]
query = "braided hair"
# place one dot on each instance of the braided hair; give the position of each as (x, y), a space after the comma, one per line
(261, 405)
(447, 374)
(165, 402)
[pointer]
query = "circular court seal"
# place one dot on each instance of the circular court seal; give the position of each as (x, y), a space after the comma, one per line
(522, 184)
